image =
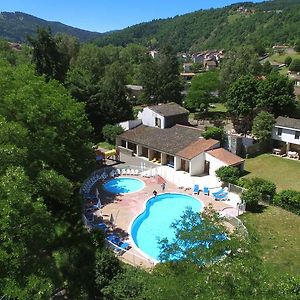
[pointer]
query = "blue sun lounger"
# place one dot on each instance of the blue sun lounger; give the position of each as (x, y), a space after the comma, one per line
(118, 245)
(196, 189)
(206, 191)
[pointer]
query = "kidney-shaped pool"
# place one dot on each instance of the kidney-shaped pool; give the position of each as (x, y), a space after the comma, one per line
(154, 222)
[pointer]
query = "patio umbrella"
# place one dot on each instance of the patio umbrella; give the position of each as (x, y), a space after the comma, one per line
(111, 219)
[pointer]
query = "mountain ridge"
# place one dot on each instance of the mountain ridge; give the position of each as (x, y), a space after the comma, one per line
(15, 26)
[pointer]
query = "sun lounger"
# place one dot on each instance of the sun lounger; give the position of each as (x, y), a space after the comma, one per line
(221, 191)
(127, 171)
(132, 172)
(206, 191)
(101, 226)
(196, 189)
(221, 196)
(136, 172)
(118, 245)
(118, 172)
(123, 172)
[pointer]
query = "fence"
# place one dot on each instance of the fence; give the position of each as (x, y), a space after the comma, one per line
(235, 189)
(237, 224)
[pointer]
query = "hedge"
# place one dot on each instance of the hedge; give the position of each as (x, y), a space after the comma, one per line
(289, 200)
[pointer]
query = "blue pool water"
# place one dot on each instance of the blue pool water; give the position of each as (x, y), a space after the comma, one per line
(124, 185)
(154, 223)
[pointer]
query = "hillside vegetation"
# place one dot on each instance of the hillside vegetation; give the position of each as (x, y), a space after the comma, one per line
(264, 23)
(16, 26)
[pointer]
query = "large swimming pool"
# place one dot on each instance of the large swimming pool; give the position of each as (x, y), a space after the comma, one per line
(155, 221)
(124, 185)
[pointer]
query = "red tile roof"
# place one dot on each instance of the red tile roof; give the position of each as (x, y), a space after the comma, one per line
(197, 148)
(225, 156)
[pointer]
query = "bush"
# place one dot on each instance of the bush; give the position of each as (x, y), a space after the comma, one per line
(214, 133)
(289, 200)
(288, 60)
(110, 132)
(251, 197)
(228, 174)
(295, 65)
(265, 187)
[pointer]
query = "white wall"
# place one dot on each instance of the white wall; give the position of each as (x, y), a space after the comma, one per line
(215, 164)
(197, 165)
(288, 136)
(148, 117)
(130, 124)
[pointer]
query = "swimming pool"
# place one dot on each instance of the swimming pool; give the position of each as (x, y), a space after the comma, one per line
(154, 222)
(124, 185)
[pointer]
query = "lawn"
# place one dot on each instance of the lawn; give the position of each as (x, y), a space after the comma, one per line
(283, 172)
(280, 58)
(106, 146)
(218, 107)
(279, 238)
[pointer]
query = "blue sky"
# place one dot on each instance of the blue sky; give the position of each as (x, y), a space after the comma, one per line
(105, 15)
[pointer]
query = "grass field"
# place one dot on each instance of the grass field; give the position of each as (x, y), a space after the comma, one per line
(279, 238)
(283, 172)
(280, 58)
(106, 146)
(218, 107)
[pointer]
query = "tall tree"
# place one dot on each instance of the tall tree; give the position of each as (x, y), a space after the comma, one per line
(49, 61)
(242, 61)
(200, 93)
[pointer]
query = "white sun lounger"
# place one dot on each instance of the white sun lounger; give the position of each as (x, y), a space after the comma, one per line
(136, 172)
(123, 172)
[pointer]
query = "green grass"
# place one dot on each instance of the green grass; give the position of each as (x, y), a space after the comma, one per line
(106, 146)
(283, 71)
(280, 58)
(283, 172)
(279, 239)
(219, 107)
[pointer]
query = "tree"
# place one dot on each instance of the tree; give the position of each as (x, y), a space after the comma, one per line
(242, 61)
(214, 133)
(26, 232)
(160, 78)
(200, 93)
(276, 95)
(262, 126)
(295, 65)
(228, 174)
(49, 61)
(199, 238)
(241, 102)
(58, 130)
(288, 60)
(110, 132)
(267, 68)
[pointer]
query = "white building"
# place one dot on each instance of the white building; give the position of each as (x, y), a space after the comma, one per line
(286, 134)
(162, 141)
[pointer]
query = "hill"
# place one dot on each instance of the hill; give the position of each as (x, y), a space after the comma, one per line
(265, 23)
(16, 26)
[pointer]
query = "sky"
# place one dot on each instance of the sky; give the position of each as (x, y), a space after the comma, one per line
(106, 15)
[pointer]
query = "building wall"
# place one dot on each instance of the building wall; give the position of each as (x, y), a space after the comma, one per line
(288, 136)
(130, 124)
(148, 117)
(215, 164)
(197, 165)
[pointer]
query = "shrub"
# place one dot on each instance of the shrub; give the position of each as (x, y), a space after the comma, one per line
(110, 132)
(289, 200)
(251, 197)
(288, 60)
(214, 133)
(265, 187)
(228, 174)
(295, 65)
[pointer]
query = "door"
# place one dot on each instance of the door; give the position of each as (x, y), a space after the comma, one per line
(206, 167)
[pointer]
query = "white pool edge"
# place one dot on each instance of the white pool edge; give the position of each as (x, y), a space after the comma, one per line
(128, 192)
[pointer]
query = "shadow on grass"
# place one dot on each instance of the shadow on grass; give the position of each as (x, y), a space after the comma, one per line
(259, 208)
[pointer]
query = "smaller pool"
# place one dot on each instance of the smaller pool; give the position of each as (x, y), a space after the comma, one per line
(124, 185)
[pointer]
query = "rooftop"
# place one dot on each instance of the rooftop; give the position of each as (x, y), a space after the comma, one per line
(169, 109)
(288, 122)
(197, 147)
(169, 140)
(225, 156)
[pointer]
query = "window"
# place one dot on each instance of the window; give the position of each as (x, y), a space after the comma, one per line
(279, 131)
(158, 122)
(297, 135)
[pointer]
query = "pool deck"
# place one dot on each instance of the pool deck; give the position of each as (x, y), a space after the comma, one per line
(125, 208)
